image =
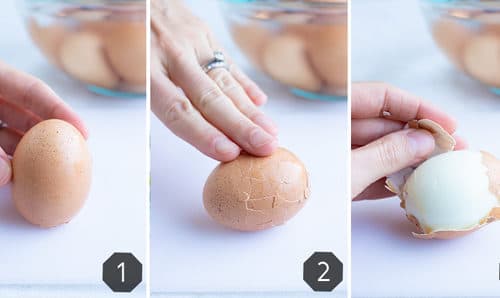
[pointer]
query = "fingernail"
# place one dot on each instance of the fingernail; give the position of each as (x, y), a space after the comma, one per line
(258, 95)
(5, 171)
(259, 137)
(266, 123)
(224, 146)
(421, 142)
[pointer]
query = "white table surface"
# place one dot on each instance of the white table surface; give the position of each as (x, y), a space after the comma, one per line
(390, 42)
(114, 217)
(191, 254)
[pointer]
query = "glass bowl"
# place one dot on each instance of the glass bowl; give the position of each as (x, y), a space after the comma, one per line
(468, 32)
(100, 43)
(300, 44)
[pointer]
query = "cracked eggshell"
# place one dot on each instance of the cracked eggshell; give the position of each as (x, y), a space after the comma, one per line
(255, 193)
(482, 58)
(285, 59)
(51, 173)
(82, 56)
(451, 37)
(251, 39)
(48, 39)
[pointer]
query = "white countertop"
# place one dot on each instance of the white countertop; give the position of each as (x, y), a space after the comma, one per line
(114, 217)
(391, 43)
(191, 253)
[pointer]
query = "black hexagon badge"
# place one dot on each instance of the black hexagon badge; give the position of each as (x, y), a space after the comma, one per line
(122, 272)
(323, 271)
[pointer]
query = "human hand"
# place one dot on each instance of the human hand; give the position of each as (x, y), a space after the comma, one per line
(217, 112)
(380, 144)
(25, 101)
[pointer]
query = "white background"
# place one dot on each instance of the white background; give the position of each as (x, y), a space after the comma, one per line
(390, 42)
(191, 253)
(114, 217)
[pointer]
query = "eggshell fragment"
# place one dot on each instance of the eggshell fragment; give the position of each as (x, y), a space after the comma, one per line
(83, 57)
(482, 59)
(51, 173)
(285, 60)
(451, 37)
(48, 39)
(255, 193)
(125, 45)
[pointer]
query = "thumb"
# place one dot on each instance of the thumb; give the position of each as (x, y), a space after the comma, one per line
(388, 155)
(5, 168)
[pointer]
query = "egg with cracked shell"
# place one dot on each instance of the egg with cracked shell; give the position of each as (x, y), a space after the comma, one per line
(255, 193)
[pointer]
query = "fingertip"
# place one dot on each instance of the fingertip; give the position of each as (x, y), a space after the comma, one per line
(225, 150)
(266, 149)
(461, 143)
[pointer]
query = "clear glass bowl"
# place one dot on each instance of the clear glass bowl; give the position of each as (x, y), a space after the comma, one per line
(100, 43)
(468, 32)
(301, 44)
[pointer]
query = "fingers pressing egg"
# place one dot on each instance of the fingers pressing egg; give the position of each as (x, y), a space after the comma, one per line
(52, 172)
(256, 193)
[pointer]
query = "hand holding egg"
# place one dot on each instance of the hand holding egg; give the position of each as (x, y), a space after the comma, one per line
(217, 112)
(381, 145)
(24, 102)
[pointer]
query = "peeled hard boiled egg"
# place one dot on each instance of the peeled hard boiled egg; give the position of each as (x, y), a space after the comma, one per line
(255, 193)
(82, 56)
(453, 192)
(51, 170)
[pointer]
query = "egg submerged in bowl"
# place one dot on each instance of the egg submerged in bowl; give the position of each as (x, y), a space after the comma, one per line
(452, 193)
(468, 33)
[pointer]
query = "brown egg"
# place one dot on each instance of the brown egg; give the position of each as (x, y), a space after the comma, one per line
(285, 59)
(256, 193)
(452, 37)
(482, 59)
(51, 173)
(251, 38)
(82, 56)
(125, 46)
(327, 51)
(48, 39)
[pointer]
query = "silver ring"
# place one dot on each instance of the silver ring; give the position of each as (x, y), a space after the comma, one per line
(219, 61)
(3, 124)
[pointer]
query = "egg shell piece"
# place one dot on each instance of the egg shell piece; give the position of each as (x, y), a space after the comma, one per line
(455, 184)
(52, 172)
(285, 59)
(256, 193)
(82, 56)
(482, 59)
